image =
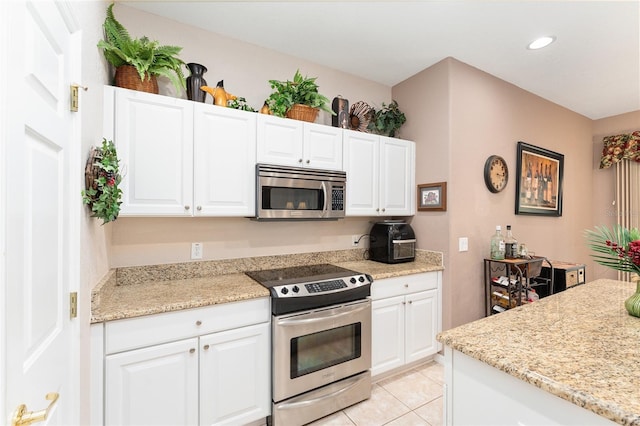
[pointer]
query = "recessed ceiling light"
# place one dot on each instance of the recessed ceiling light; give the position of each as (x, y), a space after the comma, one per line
(541, 42)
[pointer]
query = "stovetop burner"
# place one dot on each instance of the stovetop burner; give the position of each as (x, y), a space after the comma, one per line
(300, 274)
(306, 287)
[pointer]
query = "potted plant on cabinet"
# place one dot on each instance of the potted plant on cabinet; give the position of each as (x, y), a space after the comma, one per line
(138, 62)
(298, 99)
(388, 120)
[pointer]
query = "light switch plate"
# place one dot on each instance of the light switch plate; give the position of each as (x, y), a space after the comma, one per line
(463, 244)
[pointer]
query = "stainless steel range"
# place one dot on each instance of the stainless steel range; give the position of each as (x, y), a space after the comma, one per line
(321, 340)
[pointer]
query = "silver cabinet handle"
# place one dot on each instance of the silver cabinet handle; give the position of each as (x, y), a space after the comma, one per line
(308, 161)
(198, 323)
(187, 207)
(205, 347)
(192, 350)
(299, 160)
(199, 208)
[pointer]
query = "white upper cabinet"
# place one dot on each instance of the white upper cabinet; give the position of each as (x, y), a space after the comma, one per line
(296, 143)
(380, 175)
(322, 147)
(362, 164)
(224, 161)
(397, 176)
(154, 138)
(181, 158)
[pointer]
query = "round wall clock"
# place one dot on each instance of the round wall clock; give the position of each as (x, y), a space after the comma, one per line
(496, 173)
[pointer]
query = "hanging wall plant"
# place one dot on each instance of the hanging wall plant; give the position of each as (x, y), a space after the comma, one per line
(102, 177)
(388, 120)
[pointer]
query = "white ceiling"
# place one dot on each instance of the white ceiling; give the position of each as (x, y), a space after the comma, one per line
(593, 68)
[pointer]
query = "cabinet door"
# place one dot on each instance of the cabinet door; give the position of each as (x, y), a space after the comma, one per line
(235, 376)
(387, 339)
(397, 177)
(224, 161)
(279, 141)
(157, 385)
(362, 164)
(154, 138)
(322, 147)
(421, 325)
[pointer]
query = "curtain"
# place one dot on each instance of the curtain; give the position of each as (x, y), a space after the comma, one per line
(627, 198)
(616, 148)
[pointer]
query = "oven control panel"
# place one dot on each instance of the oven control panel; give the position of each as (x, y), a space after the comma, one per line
(319, 287)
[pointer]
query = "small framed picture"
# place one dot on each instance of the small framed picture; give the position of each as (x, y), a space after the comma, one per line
(432, 196)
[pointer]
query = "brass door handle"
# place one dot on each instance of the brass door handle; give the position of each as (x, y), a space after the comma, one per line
(22, 417)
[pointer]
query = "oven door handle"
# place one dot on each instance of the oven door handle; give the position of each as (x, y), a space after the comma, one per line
(308, 402)
(322, 315)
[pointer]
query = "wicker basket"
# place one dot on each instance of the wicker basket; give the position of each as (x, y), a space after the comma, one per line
(303, 113)
(127, 77)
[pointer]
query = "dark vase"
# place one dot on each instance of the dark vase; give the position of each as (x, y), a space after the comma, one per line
(195, 81)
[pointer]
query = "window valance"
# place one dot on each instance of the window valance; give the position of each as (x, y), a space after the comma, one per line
(620, 146)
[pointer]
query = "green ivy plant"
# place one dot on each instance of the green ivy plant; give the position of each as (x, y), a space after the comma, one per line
(387, 120)
(148, 57)
(302, 90)
(104, 195)
(241, 104)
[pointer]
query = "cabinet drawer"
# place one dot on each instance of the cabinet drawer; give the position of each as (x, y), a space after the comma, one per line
(398, 286)
(139, 332)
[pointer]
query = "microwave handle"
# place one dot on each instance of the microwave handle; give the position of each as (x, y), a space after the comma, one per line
(324, 191)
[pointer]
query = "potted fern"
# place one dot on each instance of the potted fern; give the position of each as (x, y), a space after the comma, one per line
(139, 61)
(298, 99)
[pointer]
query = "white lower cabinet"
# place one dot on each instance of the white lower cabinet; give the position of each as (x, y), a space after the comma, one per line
(405, 320)
(157, 385)
(206, 366)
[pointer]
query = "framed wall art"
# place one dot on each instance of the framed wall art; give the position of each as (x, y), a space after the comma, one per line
(538, 181)
(432, 196)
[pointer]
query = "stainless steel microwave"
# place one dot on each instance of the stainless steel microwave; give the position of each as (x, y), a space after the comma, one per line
(299, 193)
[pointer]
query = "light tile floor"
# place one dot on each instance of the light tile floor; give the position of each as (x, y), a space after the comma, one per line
(411, 398)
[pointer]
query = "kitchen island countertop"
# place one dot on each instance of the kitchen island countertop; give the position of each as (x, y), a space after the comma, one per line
(580, 345)
(132, 292)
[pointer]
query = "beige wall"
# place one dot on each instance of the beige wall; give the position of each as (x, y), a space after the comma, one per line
(488, 116)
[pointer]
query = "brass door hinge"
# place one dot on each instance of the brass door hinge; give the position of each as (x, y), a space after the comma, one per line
(74, 96)
(73, 304)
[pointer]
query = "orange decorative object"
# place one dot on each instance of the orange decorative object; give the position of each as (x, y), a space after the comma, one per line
(219, 95)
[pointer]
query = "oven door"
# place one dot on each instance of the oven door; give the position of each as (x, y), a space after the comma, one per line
(317, 347)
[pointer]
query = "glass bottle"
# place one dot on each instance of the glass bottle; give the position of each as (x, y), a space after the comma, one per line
(511, 245)
(497, 245)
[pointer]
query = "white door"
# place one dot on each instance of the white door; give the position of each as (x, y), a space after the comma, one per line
(224, 147)
(41, 178)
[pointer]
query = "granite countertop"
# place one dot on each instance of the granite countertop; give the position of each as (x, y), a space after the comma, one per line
(580, 345)
(145, 290)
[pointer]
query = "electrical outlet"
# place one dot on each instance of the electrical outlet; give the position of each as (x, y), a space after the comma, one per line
(196, 250)
(355, 240)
